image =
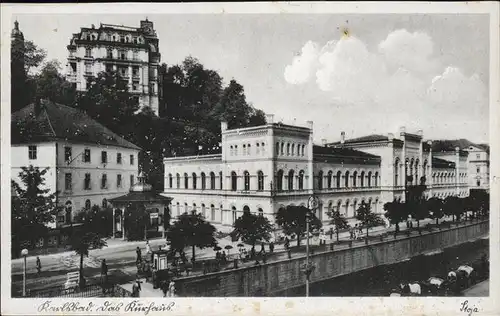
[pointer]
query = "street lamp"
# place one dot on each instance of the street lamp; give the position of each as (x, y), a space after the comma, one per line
(24, 253)
(308, 268)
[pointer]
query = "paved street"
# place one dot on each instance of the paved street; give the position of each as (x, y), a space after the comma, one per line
(480, 289)
(120, 256)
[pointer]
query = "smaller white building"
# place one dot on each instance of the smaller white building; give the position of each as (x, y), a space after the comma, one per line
(88, 163)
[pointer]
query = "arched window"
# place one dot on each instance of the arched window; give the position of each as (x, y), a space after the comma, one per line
(194, 180)
(329, 179)
(282, 149)
(178, 180)
(320, 180)
(221, 180)
(193, 211)
(212, 212)
(186, 181)
(87, 205)
(263, 148)
(293, 149)
(277, 149)
(290, 180)
(260, 181)
(288, 149)
(354, 178)
(203, 179)
(104, 203)
(178, 209)
(303, 149)
(203, 210)
(257, 150)
(375, 180)
(244, 149)
(354, 206)
(339, 176)
(186, 208)
(346, 184)
(234, 181)
(246, 209)
(261, 212)
(396, 172)
(369, 179)
(170, 180)
(231, 151)
(301, 180)
(339, 204)
(416, 171)
(246, 178)
(212, 181)
(279, 180)
(346, 211)
(69, 212)
(362, 179)
(233, 210)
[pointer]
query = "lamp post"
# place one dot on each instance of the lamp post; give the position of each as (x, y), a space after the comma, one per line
(24, 253)
(308, 268)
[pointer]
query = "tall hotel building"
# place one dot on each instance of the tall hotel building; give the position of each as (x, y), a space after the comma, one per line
(130, 51)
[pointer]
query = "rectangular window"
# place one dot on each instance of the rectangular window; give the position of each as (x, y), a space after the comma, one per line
(67, 182)
(135, 85)
(478, 156)
(104, 157)
(86, 155)
(73, 67)
(67, 154)
(104, 181)
(110, 53)
(135, 71)
(119, 158)
(123, 55)
(478, 170)
(32, 152)
(88, 52)
(109, 68)
(86, 183)
(136, 55)
(131, 180)
(131, 160)
(118, 180)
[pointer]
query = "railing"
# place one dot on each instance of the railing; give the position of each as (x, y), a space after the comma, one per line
(91, 290)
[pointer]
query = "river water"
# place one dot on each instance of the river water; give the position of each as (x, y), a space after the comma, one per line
(379, 281)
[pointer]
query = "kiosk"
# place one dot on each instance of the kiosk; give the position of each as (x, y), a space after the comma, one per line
(159, 267)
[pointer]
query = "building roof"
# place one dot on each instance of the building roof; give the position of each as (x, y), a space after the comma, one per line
(140, 197)
(51, 122)
(449, 145)
(441, 163)
(335, 154)
(364, 139)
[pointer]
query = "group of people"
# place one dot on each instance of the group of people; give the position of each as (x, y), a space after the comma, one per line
(221, 256)
(355, 232)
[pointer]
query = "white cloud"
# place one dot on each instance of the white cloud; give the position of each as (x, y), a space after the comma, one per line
(398, 83)
(302, 66)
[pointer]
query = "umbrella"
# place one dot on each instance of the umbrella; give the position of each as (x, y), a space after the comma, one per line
(228, 247)
(241, 245)
(217, 248)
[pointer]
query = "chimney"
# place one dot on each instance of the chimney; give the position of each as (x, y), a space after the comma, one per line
(223, 126)
(402, 130)
(310, 124)
(342, 137)
(269, 118)
(420, 133)
(323, 142)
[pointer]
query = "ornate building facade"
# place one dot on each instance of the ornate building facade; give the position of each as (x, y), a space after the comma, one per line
(262, 169)
(130, 51)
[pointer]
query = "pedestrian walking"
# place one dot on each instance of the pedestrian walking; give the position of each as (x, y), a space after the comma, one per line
(331, 233)
(38, 265)
(355, 232)
(148, 248)
(287, 243)
(139, 255)
(104, 275)
(252, 252)
(136, 288)
(271, 247)
(224, 256)
(171, 289)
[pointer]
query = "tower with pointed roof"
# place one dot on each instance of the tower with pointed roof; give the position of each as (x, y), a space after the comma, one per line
(19, 98)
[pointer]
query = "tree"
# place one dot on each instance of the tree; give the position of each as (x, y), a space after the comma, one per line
(395, 212)
(435, 207)
(367, 217)
(33, 206)
(83, 240)
(338, 220)
(33, 56)
(191, 230)
(292, 220)
(417, 210)
(51, 84)
(451, 207)
(108, 101)
(97, 219)
(251, 228)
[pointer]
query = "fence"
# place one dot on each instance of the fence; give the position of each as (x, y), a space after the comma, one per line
(91, 290)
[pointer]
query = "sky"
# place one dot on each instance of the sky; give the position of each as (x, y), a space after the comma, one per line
(361, 74)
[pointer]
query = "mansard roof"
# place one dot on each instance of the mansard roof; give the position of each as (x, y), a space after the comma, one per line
(51, 122)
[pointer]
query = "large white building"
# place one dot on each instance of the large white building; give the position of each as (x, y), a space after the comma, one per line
(88, 164)
(132, 52)
(262, 169)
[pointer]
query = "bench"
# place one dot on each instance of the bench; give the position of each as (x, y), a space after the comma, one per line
(72, 279)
